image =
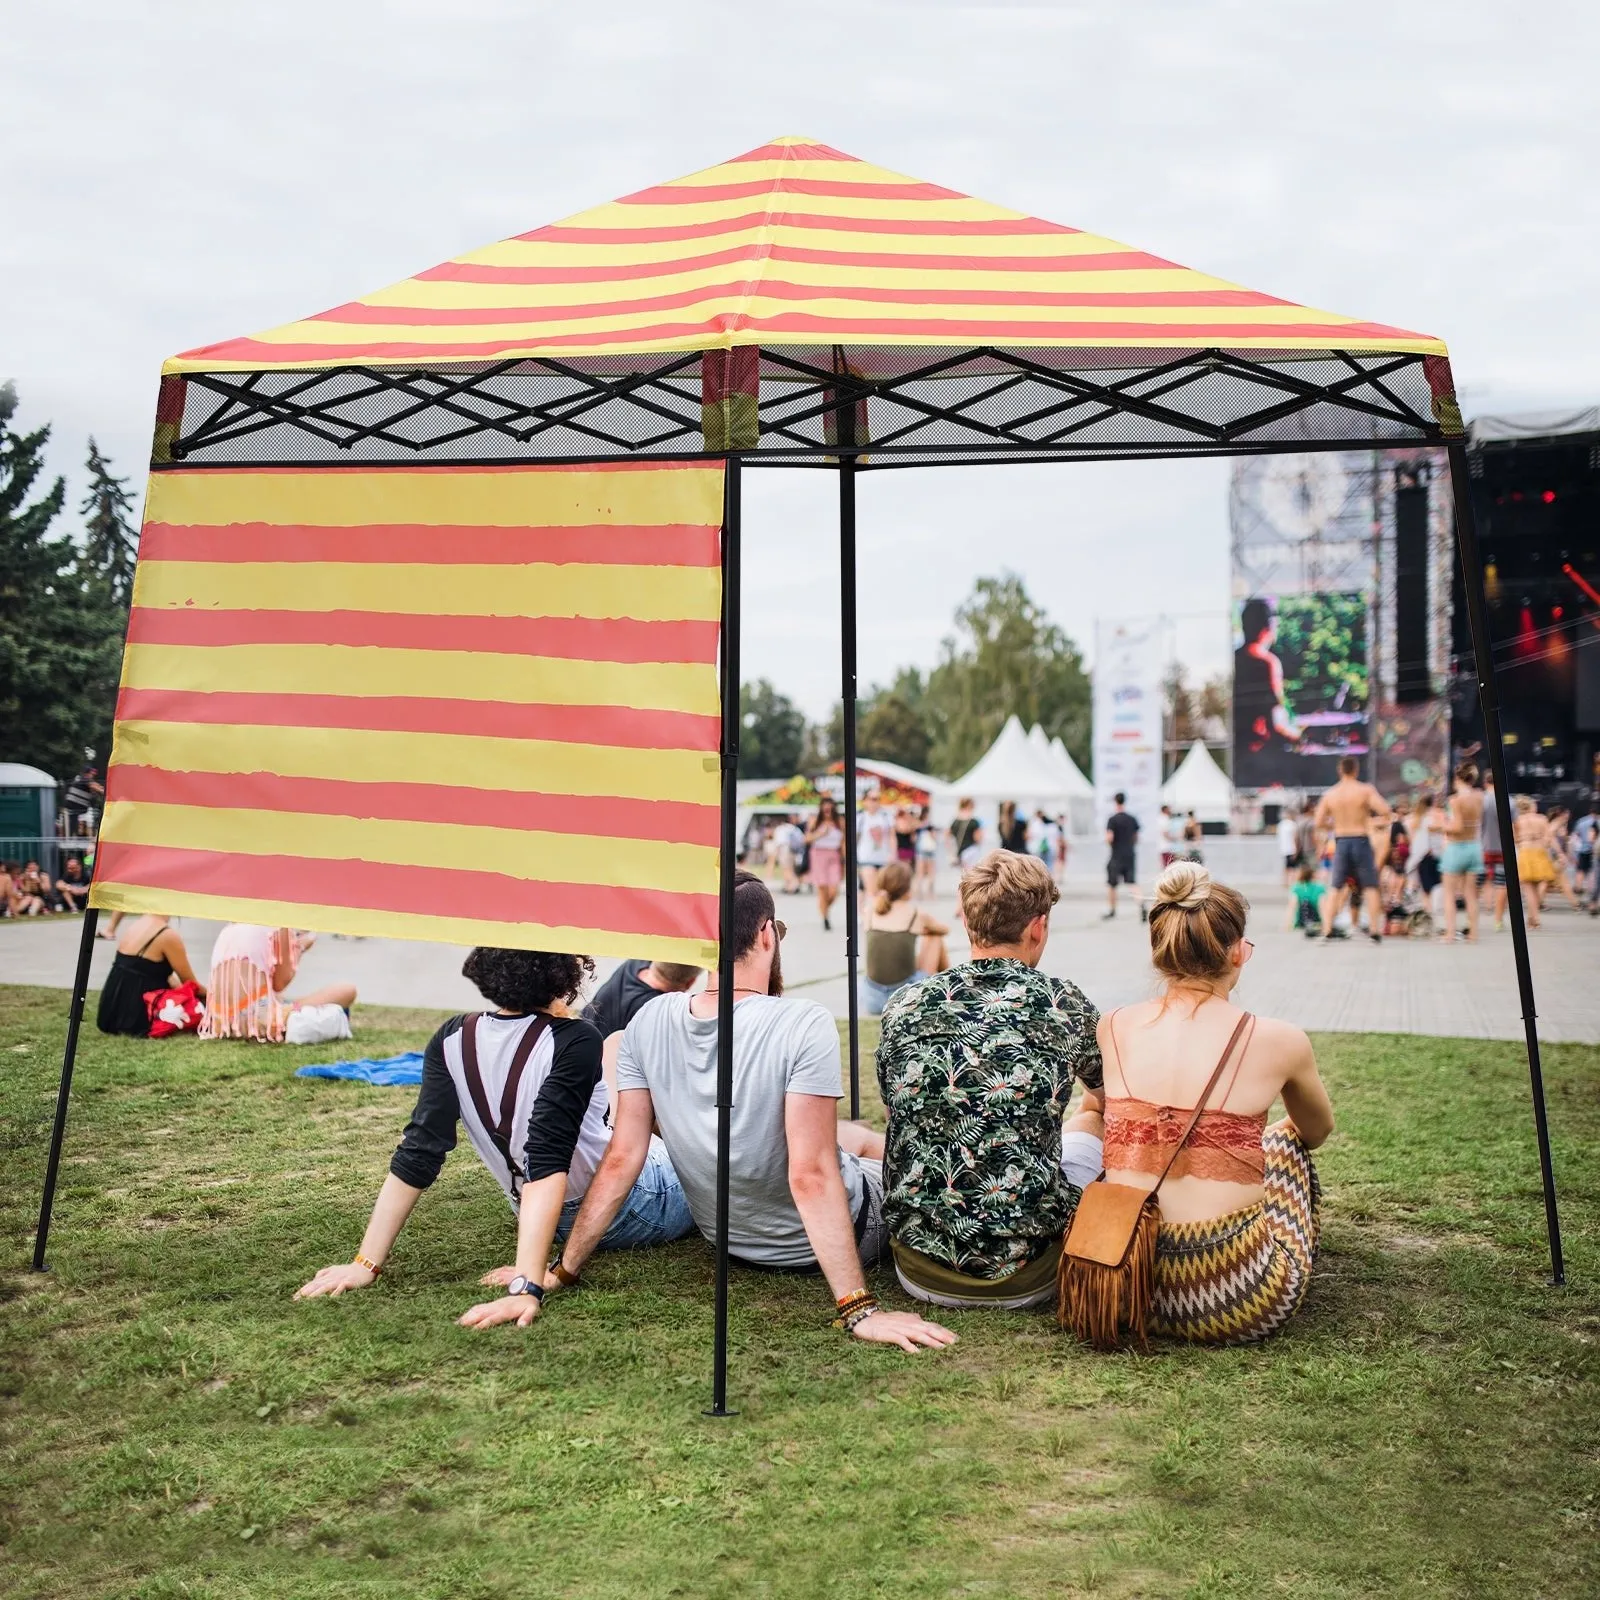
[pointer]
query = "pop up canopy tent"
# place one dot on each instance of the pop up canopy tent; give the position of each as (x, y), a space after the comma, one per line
(791, 307)
(1199, 785)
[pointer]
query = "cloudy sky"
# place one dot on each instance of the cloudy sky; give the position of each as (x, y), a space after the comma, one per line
(177, 173)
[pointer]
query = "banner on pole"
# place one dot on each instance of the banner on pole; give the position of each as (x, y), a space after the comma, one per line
(1128, 728)
(477, 705)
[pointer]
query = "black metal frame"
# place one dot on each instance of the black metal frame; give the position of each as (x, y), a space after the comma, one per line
(944, 405)
(474, 404)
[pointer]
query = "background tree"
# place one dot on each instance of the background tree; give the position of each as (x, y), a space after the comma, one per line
(1006, 656)
(60, 627)
(772, 741)
(894, 723)
(110, 542)
(1195, 713)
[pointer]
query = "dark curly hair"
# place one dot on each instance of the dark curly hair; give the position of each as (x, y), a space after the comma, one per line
(525, 980)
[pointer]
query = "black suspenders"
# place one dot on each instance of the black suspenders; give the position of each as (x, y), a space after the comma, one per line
(499, 1129)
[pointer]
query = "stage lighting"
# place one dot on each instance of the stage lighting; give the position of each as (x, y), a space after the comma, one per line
(1549, 497)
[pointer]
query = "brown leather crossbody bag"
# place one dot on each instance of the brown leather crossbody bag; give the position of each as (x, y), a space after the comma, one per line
(1108, 1262)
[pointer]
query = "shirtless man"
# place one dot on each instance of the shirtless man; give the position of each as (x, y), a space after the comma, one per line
(1462, 864)
(1349, 809)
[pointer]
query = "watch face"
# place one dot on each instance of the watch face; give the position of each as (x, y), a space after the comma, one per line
(518, 1285)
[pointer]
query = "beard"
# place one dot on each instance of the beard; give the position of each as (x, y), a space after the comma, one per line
(775, 977)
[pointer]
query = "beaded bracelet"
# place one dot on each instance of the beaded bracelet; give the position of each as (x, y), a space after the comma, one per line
(859, 1315)
(861, 1306)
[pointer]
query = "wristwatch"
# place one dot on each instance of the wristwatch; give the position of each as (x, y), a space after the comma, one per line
(525, 1285)
(567, 1280)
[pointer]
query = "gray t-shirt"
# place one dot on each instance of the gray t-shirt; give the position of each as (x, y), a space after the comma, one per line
(780, 1047)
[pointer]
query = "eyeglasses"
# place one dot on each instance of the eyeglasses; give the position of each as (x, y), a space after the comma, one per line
(779, 927)
(1249, 950)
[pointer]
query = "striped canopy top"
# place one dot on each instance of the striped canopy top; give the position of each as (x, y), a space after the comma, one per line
(796, 244)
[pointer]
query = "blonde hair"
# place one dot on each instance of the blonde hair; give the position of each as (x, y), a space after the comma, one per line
(1002, 894)
(1524, 804)
(1194, 923)
(894, 883)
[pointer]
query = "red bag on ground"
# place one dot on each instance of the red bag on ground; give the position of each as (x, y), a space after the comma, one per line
(174, 1010)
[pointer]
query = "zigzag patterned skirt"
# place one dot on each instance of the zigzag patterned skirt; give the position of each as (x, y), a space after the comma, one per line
(1238, 1278)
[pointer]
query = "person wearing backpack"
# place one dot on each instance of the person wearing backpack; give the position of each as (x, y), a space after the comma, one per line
(525, 1082)
(1232, 1204)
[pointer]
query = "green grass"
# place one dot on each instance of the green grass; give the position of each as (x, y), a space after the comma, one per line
(174, 1425)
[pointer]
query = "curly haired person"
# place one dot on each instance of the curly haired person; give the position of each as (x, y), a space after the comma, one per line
(525, 1082)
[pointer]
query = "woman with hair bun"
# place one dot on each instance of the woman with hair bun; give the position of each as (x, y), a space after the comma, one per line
(525, 1082)
(1239, 1209)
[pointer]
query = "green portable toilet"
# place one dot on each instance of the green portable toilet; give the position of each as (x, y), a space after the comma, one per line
(27, 815)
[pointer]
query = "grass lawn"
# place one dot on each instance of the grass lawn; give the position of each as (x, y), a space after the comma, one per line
(174, 1425)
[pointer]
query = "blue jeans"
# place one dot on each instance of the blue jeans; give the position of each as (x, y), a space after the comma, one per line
(655, 1211)
(875, 996)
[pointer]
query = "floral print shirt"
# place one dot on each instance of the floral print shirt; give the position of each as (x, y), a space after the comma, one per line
(976, 1067)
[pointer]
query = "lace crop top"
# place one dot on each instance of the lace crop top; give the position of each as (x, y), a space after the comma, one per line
(1140, 1134)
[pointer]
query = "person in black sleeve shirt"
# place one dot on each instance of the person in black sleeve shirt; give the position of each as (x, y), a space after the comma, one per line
(525, 1082)
(1122, 834)
(631, 986)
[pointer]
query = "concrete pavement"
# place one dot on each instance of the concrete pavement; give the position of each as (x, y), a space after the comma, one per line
(1402, 986)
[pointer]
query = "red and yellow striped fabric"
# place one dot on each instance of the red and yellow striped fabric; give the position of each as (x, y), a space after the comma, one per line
(466, 704)
(794, 243)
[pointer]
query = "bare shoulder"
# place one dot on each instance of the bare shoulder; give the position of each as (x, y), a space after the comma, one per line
(1283, 1041)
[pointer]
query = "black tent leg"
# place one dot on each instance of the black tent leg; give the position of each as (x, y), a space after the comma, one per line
(847, 655)
(730, 805)
(58, 1134)
(1489, 701)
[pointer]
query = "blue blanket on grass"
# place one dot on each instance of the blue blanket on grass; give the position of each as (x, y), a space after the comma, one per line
(388, 1071)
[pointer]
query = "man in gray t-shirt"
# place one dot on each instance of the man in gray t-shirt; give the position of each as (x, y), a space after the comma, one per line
(805, 1190)
(780, 1048)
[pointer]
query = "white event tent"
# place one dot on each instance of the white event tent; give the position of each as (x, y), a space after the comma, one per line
(1023, 767)
(1201, 786)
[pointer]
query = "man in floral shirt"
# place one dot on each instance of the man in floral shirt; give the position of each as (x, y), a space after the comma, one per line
(976, 1066)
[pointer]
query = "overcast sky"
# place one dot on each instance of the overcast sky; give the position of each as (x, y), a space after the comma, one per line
(177, 173)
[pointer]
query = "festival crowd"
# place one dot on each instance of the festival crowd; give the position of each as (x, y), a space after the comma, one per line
(1430, 863)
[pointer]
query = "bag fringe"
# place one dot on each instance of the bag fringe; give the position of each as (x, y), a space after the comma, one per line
(1109, 1307)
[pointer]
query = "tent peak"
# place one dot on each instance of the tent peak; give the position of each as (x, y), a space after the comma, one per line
(797, 244)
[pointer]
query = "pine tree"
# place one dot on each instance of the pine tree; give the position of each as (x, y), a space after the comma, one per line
(60, 630)
(110, 544)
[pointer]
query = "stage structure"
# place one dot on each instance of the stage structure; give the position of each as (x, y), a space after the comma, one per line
(791, 307)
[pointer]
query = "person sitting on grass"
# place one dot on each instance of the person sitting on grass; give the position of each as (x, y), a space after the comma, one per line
(904, 944)
(150, 955)
(524, 1080)
(977, 1067)
(804, 1188)
(1305, 904)
(633, 984)
(73, 885)
(1239, 1209)
(250, 969)
(31, 892)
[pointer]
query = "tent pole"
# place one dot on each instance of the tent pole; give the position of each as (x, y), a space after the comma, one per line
(58, 1134)
(729, 853)
(847, 653)
(1489, 703)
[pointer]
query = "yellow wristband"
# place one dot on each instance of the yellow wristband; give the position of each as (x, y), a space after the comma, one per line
(359, 1260)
